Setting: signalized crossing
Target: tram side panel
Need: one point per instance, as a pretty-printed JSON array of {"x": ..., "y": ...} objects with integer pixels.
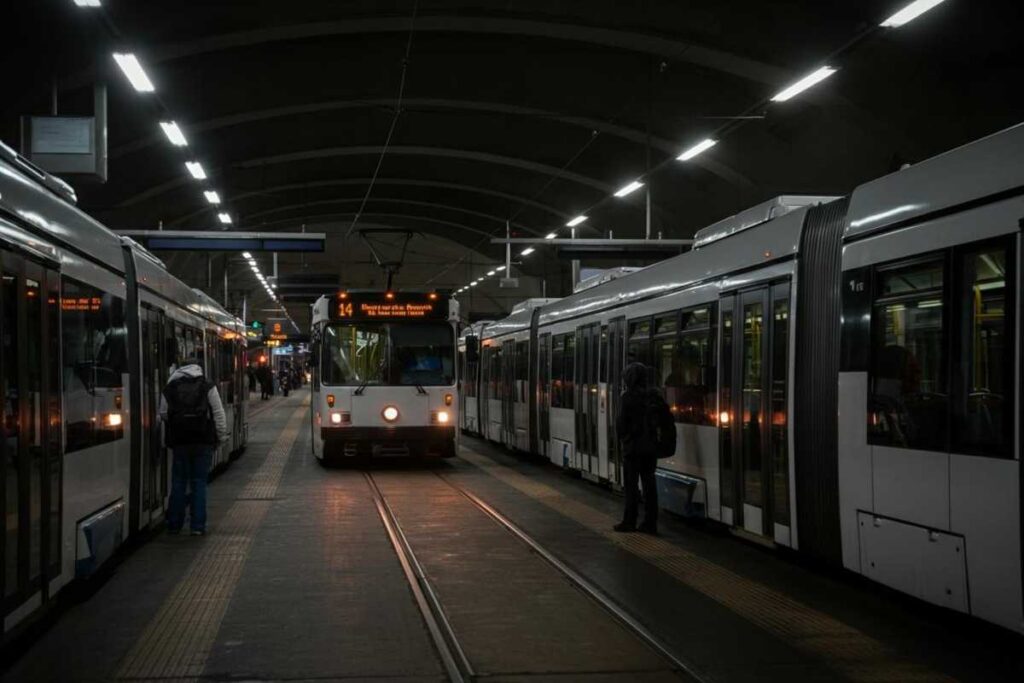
[{"x": 930, "y": 467}]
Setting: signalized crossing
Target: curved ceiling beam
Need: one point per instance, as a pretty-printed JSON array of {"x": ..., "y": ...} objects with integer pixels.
[
  {"x": 237, "y": 198},
  {"x": 643, "y": 43},
  {"x": 379, "y": 214},
  {"x": 389, "y": 200},
  {"x": 632, "y": 135},
  {"x": 362, "y": 150}
]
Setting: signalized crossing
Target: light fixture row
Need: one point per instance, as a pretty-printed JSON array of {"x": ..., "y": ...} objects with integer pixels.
[
  {"x": 900, "y": 18},
  {"x": 136, "y": 75}
]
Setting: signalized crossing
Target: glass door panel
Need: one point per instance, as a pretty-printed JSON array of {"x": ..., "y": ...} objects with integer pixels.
[{"x": 752, "y": 403}]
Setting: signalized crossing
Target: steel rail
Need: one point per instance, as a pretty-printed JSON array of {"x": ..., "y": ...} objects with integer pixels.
[
  {"x": 583, "y": 584},
  {"x": 452, "y": 655}
]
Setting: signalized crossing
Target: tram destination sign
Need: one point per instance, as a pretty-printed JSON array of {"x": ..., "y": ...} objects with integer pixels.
[{"x": 391, "y": 305}]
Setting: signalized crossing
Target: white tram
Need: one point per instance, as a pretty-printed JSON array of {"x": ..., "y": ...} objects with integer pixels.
[
  {"x": 845, "y": 375},
  {"x": 90, "y": 325},
  {"x": 384, "y": 378}
]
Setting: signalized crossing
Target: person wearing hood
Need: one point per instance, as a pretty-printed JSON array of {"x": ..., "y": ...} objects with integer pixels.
[
  {"x": 639, "y": 462},
  {"x": 194, "y": 425}
]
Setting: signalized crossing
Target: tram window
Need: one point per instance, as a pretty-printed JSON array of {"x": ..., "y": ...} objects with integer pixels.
[
  {"x": 777, "y": 404},
  {"x": 981, "y": 422},
  {"x": 909, "y": 400},
  {"x": 696, "y": 368},
  {"x": 666, "y": 371},
  {"x": 569, "y": 376},
  {"x": 725, "y": 421},
  {"x": 94, "y": 361},
  {"x": 602, "y": 375},
  {"x": 355, "y": 354},
  {"x": 638, "y": 348},
  {"x": 557, "y": 366},
  {"x": 12, "y": 400}
]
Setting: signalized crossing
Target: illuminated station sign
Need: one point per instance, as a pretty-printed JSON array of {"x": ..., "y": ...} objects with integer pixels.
[{"x": 391, "y": 305}]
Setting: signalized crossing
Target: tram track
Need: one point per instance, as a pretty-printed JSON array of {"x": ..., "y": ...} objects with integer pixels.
[{"x": 451, "y": 650}]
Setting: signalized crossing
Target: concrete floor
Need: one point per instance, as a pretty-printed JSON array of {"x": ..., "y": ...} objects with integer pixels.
[{"x": 297, "y": 580}]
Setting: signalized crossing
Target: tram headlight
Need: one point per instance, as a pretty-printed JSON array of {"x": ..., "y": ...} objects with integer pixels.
[
  {"x": 390, "y": 413},
  {"x": 335, "y": 418},
  {"x": 112, "y": 419},
  {"x": 440, "y": 417}
]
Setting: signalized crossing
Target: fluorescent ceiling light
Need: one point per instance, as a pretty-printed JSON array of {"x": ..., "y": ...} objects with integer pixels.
[
  {"x": 500, "y": 268},
  {"x": 551, "y": 235},
  {"x": 246, "y": 255},
  {"x": 87, "y": 3},
  {"x": 174, "y": 133},
  {"x": 490, "y": 273},
  {"x": 804, "y": 83},
  {"x": 576, "y": 221},
  {"x": 225, "y": 218},
  {"x": 196, "y": 169},
  {"x": 472, "y": 284},
  {"x": 134, "y": 72},
  {"x": 629, "y": 189},
  {"x": 910, "y": 12},
  {"x": 701, "y": 146},
  {"x": 214, "y": 198},
  {"x": 527, "y": 251}
]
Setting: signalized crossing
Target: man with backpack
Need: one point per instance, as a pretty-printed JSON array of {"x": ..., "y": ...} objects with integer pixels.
[
  {"x": 647, "y": 431},
  {"x": 194, "y": 425}
]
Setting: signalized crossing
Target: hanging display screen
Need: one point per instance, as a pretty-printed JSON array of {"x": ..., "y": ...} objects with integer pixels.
[{"x": 390, "y": 306}]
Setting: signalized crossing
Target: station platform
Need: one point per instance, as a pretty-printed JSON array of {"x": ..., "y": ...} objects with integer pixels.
[{"x": 486, "y": 566}]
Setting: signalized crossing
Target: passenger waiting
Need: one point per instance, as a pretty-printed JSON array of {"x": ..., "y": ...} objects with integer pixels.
[{"x": 195, "y": 423}]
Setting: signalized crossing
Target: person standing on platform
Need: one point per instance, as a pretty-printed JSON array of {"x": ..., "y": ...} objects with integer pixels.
[
  {"x": 266, "y": 379},
  {"x": 251, "y": 370},
  {"x": 194, "y": 425},
  {"x": 639, "y": 455}
]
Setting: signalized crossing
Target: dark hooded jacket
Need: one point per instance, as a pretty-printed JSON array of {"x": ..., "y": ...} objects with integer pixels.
[{"x": 633, "y": 404}]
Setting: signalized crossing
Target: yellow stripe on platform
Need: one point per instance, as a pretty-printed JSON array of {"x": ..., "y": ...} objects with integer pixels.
[
  {"x": 176, "y": 643},
  {"x": 847, "y": 650}
]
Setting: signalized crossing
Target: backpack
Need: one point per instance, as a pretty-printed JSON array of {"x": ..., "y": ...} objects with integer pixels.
[
  {"x": 659, "y": 426},
  {"x": 189, "y": 417}
]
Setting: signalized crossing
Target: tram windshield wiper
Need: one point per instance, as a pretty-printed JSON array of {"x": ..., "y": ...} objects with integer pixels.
[{"x": 420, "y": 389}]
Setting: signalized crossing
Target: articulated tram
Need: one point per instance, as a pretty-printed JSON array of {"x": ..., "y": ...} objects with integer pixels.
[
  {"x": 845, "y": 375},
  {"x": 384, "y": 378},
  {"x": 91, "y": 324}
]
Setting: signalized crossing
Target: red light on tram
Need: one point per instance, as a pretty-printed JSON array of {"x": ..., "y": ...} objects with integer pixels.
[
  {"x": 432, "y": 296},
  {"x": 389, "y": 296},
  {"x": 343, "y": 295}
]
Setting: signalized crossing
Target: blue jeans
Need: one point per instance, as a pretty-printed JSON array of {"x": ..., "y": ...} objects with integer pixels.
[{"x": 190, "y": 469}]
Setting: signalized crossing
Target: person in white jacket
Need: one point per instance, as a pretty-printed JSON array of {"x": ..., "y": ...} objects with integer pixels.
[{"x": 194, "y": 425}]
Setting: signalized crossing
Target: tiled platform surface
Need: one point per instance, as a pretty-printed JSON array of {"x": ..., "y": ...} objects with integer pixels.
[{"x": 297, "y": 580}]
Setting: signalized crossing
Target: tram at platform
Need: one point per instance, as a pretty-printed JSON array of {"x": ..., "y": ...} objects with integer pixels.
[{"x": 384, "y": 375}]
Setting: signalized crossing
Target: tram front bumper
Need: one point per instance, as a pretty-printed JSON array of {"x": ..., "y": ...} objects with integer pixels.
[{"x": 383, "y": 441}]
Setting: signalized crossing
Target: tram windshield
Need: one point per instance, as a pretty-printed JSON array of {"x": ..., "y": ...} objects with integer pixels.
[{"x": 389, "y": 354}]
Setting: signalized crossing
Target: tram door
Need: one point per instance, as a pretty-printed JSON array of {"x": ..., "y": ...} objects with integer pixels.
[
  {"x": 508, "y": 394},
  {"x": 154, "y": 455},
  {"x": 30, "y": 450},
  {"x": 544, "y": 399},
  {"x": 753, "y": 415},
  {"x": 616, "y": 351},
  {"x": 587, "y": 391}
]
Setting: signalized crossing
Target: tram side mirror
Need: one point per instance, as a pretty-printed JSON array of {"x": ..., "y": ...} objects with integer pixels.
[{"x": 472, "y": 349}]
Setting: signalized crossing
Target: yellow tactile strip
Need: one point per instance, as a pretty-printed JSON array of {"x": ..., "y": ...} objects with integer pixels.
[
  {"x": 175, "y": 645},
  {"x": 847, "y": 650}
]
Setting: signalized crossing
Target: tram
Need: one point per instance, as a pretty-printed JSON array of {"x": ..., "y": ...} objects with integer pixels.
[
  {"x": 384, "y": 375},
  {"x": 845, "y": 374},
  {"x": 91, "y": 324}
]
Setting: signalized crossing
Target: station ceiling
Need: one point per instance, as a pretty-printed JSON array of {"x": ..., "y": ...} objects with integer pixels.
[{"x": 466, "y": 115}]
